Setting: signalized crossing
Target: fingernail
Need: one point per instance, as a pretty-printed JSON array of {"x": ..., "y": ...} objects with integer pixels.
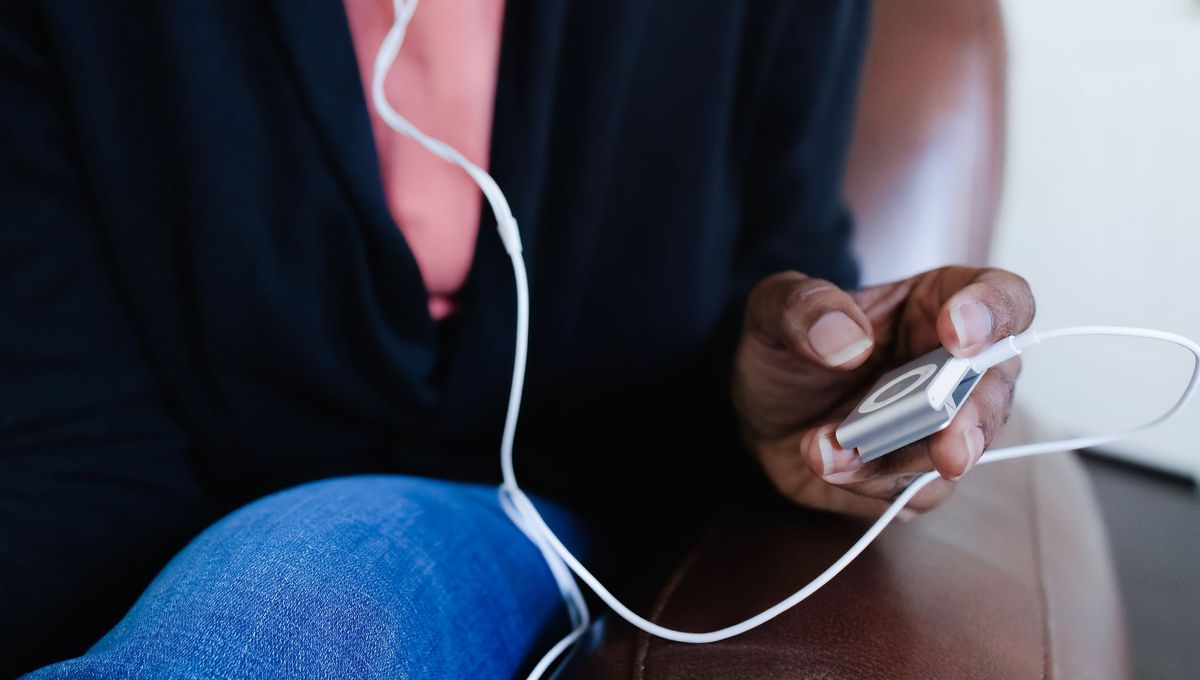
[
  {"x": 906, "y": 515},
  {"x": 835, "y": 459},
  {"x": 838, "y": 339},
  {"x": 972, "y": 322},
  {"x": 973, "y": 442}
]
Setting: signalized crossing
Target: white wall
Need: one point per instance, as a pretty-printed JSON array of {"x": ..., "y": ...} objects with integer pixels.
[{"x": 1102, "y": 209}]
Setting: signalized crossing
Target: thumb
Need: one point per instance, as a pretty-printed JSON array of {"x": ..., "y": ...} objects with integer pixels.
[{"x": 811, "y": 319}]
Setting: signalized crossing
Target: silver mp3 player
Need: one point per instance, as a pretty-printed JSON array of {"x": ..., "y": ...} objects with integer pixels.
[{"x": 907, "y": 404}]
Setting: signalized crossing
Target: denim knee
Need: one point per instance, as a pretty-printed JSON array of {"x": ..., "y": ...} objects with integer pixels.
[{"x": 352, "y": 577}]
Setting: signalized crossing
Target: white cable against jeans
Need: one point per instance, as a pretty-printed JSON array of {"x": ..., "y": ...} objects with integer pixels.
[
  {"x": 525, "y": 515},
  {"x": 512, "y": 499}
]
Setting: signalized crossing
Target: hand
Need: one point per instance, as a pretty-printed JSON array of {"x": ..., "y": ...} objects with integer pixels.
[{"x": 809, "y": 350}]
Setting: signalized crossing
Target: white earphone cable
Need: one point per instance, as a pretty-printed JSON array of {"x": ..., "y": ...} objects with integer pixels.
[
  {"x": 897, "y": 505},
  {"x": 514, "y": 504},
  {"x": 525, "y": 515}
]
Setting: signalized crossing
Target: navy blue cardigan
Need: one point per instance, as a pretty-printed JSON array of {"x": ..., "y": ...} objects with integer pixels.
[{"x": 202, "y": 289}]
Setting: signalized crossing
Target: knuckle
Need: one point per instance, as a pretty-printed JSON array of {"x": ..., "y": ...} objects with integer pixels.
[
  {"x": 999, "y": 394},
  {"x": 1019, "y": 283},
  {"x": 768, "y": 288},
  {"x": 807, "y": 300},
  {"x": 1028, "y": 303},
  {"x": 762, "y": 292},
  {"x": 1011, "y": 300},
  {"x": 1002, "y": 304},
  {"x": 801, "y": 293},
  {"x": 987, "y": 417},
  {"x": 993, "y": 405}
]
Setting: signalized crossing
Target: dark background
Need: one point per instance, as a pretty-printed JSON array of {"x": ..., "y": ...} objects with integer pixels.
[{"x": 1153, "y": 523}]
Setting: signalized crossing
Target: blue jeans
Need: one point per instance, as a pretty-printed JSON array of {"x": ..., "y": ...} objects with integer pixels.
[{"x": 357, "y": 577}]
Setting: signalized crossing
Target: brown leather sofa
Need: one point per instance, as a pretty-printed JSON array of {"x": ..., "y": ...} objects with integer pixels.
[{"x": 1009, "y": 579}]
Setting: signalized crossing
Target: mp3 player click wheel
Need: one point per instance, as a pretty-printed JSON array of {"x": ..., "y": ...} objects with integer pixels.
[{"x": 908, "y": 404}]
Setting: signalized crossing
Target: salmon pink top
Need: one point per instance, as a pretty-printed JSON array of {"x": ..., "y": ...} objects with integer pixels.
[{"x": 444, "y": 82}]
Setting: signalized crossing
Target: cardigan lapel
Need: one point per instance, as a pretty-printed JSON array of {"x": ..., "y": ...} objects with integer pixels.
[
  {"x": 525, "y": 95},
  {"x": 478, "y": 346},
  {"x": 316, "y": 37}
]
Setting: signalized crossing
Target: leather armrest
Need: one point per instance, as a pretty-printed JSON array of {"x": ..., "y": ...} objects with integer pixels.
[{"x": 1010, "y": 579}]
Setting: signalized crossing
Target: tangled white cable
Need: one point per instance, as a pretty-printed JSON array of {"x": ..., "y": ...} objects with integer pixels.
[{"x": 524, "y": 514}]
